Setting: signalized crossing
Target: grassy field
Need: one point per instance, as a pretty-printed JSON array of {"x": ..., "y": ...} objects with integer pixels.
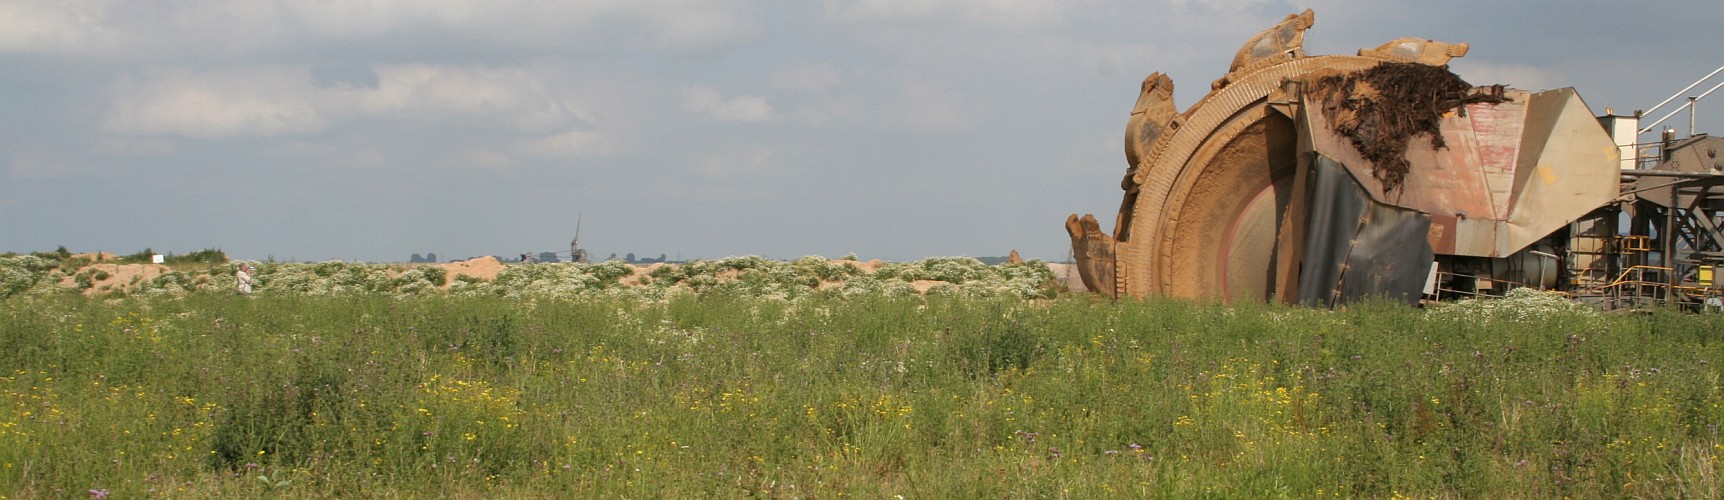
[{"x": 699, "y": 395}]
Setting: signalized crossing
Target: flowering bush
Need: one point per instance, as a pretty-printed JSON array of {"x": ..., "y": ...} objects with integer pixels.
[
  {"x": 1520, "y": 305},
  {"x": 23, "y": 272},
  {"x": 747, "y": 276}
]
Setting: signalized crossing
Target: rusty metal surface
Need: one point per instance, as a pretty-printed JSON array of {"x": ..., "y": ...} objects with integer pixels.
[
  {"x": 1569, "y": 166},
  {"x": 1510, "y": 173}
]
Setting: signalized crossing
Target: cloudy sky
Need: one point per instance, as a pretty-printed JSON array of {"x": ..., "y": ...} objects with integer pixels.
[{"x": 892, "y": 129}]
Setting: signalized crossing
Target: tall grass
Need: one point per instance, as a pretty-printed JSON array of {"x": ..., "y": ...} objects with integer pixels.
[{"x": 872, "y": 395}]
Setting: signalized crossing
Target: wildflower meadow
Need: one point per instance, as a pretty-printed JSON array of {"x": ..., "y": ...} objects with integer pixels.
[{"x": 552, "y": 382}]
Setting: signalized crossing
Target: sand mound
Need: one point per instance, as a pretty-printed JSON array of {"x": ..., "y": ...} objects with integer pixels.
[
  {"x": 869, "y": 266},
  {"x": 641, "y": 274},
  {"x": 485, "y": 268},
  {"x": 119, "y": 277},
  {"x": 922, "y": 286}
]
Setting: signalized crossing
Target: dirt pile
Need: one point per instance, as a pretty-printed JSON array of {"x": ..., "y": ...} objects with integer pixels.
[
  {"x": 485, "y": 268},
  {"x": 1382, "y": 108},
  {"x": 114, "y": 277}
]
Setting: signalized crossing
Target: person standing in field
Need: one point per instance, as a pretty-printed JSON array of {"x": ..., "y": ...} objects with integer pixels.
[{"x": 242, "y": 279}]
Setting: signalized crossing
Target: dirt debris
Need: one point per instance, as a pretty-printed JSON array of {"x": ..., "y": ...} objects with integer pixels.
[{"x": 1382, "y": 108}]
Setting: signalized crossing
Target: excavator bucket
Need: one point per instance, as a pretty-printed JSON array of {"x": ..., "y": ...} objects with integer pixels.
[{"x": 1326, "y": 179}]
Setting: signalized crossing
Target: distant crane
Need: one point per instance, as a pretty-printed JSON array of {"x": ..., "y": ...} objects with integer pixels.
[{"x": 576, "y": 253}]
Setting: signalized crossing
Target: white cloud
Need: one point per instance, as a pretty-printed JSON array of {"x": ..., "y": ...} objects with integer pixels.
[
  {"x": 1520, "y": 76},
  {"x": 487, "y": 158},
  {"x": 136, "y": 146},
  {"x": 53, "y": 25},
  {"x": 740, "y": 109},
  {"x": 815, "y": 77},
  {"x": 154, "y": 27},
  {"x": 1227, "y": 6},
  {"x": 570, "y": 144},
  {"x": 1117, "y": 59},
  {"x": 671, "y": 23},
  {"x": 929, "y": 106},
  {"x": 261, "y": 101},
  {"x": 1006, "y": 14},
  {"x": 736, "y": 163},
  {"x": 423, "y": 90},
  {"x": 279, "y": 100},
  {"x": 698, "y": 25},
  {"x": 39, "y": 165}
]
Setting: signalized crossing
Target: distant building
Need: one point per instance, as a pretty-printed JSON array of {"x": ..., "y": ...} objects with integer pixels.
[{"x": 630, "y": 258}]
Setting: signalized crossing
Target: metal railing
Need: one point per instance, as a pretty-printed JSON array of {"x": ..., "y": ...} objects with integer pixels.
[
  {"x": 1645, "y": 286},
  {"x": 1692, "y": 100},
  {"x": 1447, "y": 293}
]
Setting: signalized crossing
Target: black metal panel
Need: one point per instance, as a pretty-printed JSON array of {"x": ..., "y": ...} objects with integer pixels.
[{"x": 1357, "y": 248}]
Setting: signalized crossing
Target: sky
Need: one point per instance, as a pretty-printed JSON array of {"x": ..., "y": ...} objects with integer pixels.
[{"x": 371, "y": 130}]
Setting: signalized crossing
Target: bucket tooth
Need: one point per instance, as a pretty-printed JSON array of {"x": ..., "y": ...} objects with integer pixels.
[
  {"x": 1280, "y": 43},
  {"x": 1149, "y": 118},
  {"x": 1094, "y": 251},
  {"x": 1417, "y": 50}
]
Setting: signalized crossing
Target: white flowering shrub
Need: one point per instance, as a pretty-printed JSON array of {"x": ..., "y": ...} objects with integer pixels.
[
  {"x": 20, "y": 273},
  {"x": 322, "y": 278},
  {"x": 973, "y": 278},
  {"x": 419, "y": 280},
  {"x": 468, "y": 286},
  {"x": 826, "y": 270},
  {"x": 873, "y": 286},
  {"x": 559, "y": 280},
  {"x": 748, "y": 276},
  {"x": 954, "y": 270},
  {"x": 1520, "y": 305}
]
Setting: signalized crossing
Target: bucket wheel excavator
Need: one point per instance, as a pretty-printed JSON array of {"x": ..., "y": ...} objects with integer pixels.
[{"x": 1321, "y": 179}]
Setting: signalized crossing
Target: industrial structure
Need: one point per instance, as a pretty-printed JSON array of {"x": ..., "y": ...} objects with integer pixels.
[{"x": 1324, "y": 179}]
